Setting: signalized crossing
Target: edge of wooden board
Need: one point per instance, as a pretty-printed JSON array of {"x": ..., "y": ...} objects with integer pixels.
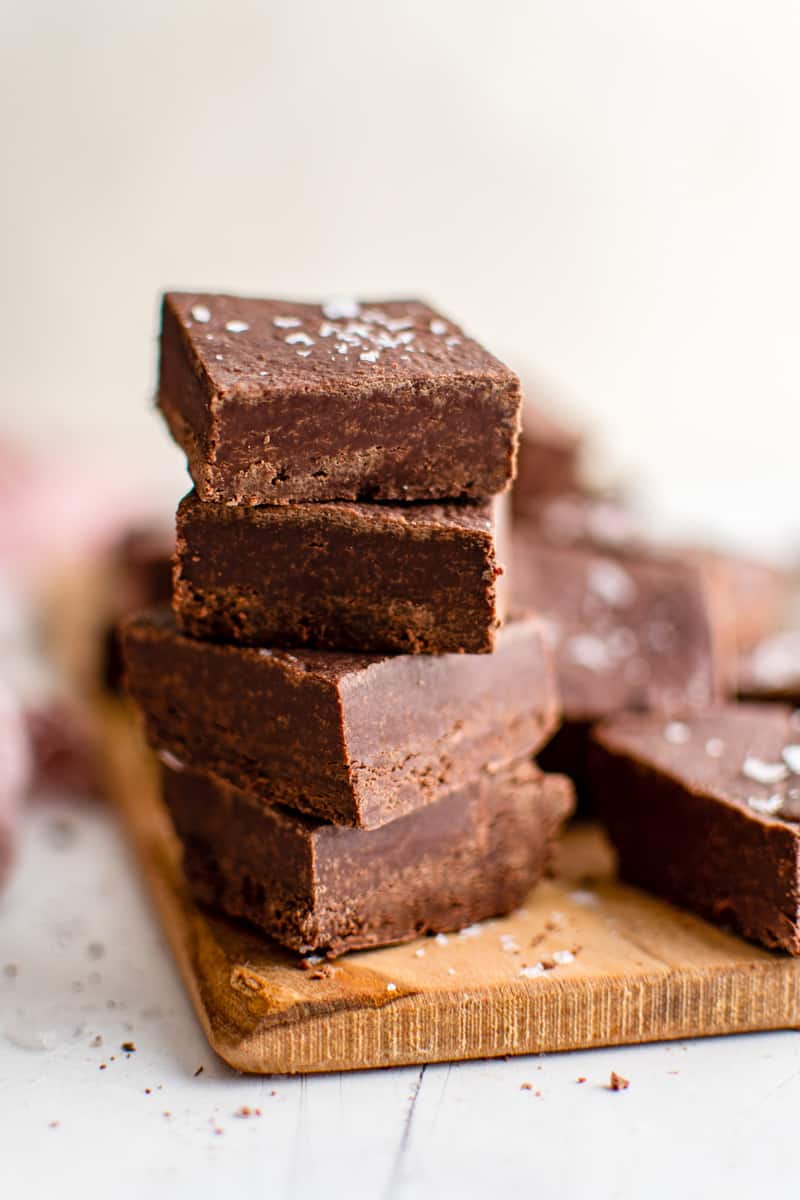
[{"x": 655, "y": 973}]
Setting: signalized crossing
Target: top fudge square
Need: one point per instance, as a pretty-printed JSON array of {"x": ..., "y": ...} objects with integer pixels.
[{"x": 275, "y": 402}]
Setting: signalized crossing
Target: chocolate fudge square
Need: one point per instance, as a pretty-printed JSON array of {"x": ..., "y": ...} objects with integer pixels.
[
  {"x": 628, "y": 631},
  {"x": 275, "y": 401},
  {"x": 705, "y": 811},
  {"x": 474, "y": 853},
  {"x": 356, "y": 739},
  {"x": 408, "y": 579},
  {"x": 549, "y": 458}
]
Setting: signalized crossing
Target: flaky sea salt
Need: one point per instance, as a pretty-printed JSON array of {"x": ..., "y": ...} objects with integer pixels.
[
  {"x": 169, "y": 760},
  {"x": 438, "y": 327},
  {"x": 589, "y": 652},
  {"x": 286, "y": 322},
  {"x": 369, "y": 356},
  {"x": 341, "y": 308},
  {"x": 441, "y": 939},
  {"x": 470, "y": 931},
  {"x": 299, "y": 339},
  {"x": 563, "y": 957},
  {"x": 391, "y": 987},
  {"x": 532, "y": 972},
  {"x": 201, "y": 314},
  {"x": 611, "y": 583},
  {"x": 237, "y": 326},
  {"x": 791, "y": 756},
  {"x": 419, "y": 953},
  {"x": 677, "y": 733},
  {"x": 715, "y": 747},
  {"x": 584, "y": 898},
  {"x": 765, "y": 804},
  {"x": 768, "y": 773}
]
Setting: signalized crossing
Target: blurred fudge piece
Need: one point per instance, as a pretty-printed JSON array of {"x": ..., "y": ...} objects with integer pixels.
[{"x": 549, "y": 458}]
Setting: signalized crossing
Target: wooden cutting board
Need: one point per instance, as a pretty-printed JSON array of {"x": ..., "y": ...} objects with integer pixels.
[{"x": 641, "y": 971}]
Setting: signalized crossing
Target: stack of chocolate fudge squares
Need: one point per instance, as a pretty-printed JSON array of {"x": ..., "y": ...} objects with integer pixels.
[{"x": 345, "y": 712}]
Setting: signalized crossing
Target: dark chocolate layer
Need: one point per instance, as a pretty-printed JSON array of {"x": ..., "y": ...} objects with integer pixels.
[
  {"x": 276, "y": 401},
  {"x": 705, "y": 812},
  {"x": 473, "y": 854},
  {"x": 413, "y": 579},
  {"x": 355, "y": 739}
]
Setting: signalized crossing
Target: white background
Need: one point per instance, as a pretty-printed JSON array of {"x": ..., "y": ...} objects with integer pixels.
[{"x": 607, "y": 194}]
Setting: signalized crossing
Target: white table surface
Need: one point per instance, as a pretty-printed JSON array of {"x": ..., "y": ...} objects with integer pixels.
[{"x": 699, "y": 1119}]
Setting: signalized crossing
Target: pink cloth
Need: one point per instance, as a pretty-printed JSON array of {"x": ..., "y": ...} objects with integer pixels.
[
  {"x": 53, "y": 512},
  {"x": 16, "y": 772},
  {"x": 53, "y": 515}
]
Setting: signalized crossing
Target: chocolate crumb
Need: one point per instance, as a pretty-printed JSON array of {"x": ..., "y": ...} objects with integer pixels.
[
  {"x": 167, "y": 1113},
  {"x": 148, "y": 1091},
  {"x": 525, "y": 1087},
  {"x": 537, "y": 1093},
  {"x": 246, "y": 1111},
  {"x": 128, "y": 1047},
  {"x": 581, "y": 1079},
  {"x": 618, "y": 1083},
  {"x": 97, "y": 1040},
  {"x": 199, "y": 1071},
  {"x": 548, "y": 963},
  {"x": 273, "y": 1093},
  {"x": 54, "y": 1124},
  {"x": 103, "y": 1067}
]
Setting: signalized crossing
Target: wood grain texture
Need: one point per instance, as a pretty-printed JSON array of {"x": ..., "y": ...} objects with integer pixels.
[{"x": 642, "y": 971}]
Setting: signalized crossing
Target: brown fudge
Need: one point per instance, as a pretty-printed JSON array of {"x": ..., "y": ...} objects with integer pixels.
[
  {"x": 629, "y": 631},
  {"x": 584, "y": 520},
  {"x": 352, "y": 738},
  {"x": 474, "y": 853},
  {"x": 549, "y": 458},
  {"x": 705, "y": 811},
  {"x": 749, "y": 600},
  {"x": 412, "y": 579},
  {"x": 275, "y": 401}
]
